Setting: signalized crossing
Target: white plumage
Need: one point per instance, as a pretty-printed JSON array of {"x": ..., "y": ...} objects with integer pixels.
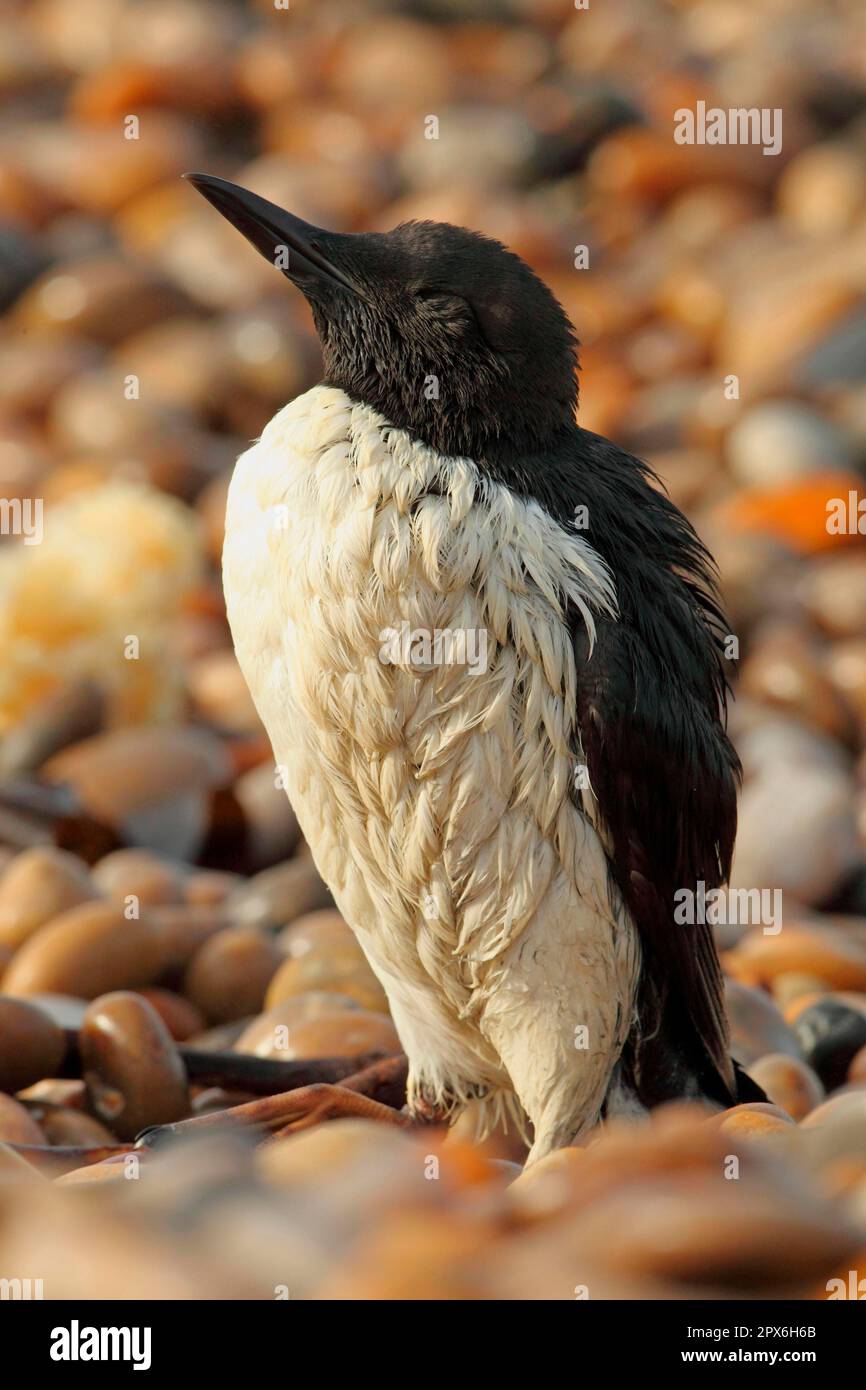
[{"x": 438, "y": 804}]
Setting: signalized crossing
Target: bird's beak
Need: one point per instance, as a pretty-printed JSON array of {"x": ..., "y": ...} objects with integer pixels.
[{"x": 292, "y": 245}]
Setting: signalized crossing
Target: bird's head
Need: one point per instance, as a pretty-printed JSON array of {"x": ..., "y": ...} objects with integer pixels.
[{"x": 443, "y": 331}]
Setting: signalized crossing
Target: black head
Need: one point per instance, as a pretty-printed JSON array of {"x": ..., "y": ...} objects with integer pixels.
[{"x": 441, "y": 330}]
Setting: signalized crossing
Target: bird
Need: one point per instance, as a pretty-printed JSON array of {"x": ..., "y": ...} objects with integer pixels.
[{"x": 503, "y": 819}]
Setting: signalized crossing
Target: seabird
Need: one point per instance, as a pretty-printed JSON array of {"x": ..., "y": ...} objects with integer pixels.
[{"x": 506, "y": 837}]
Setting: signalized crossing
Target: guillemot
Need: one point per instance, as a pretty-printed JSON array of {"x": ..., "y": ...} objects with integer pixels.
[{"x": 505, "y": 842}]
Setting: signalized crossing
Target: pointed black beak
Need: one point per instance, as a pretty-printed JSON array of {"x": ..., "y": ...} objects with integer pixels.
[{"x": 291, "y": 245}]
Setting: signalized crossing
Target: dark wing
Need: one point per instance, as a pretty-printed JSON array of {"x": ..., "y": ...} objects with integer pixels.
[
  {"x": 664, "y": 777},
  {"x": 651, "y": 700}
]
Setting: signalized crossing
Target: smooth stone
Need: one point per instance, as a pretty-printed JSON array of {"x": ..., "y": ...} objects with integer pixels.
[
  {"x": 278, "y": 895},
  {"x": 343, "y": 970},
  {"x": 779, "y": 441},
  {"x": 32, "y": 1046},
  {"x": 182, "y": 1019},
  {"x": 271, "y": 824},
  {"x": 17, "y": 1125},
  {"x": 789, "y": 1083},
  {"x": 834, "y": 595},
  {"x": 838, "y": 358},
  {"x": 132, "y": 1069},
  {"x": 346, "y": 1033},
  {"x": 85, "y": 952},
  {"x": 37, "y": 885},
  {"x": 153, "y": 783},
  {"x": 228, "y": 977},
  {"x": 757, "y": 1026},
  {"x": 831, "y": 1034},
  {"x": 259, "y": 1037},
  {"x": 826, "y": 952},
  {"x": 783, "y": 669},
  {"x": 797, "y": 833},
  {"x": 65, "y": 1127},
  {"x": 135, "y": 872},
  {"x": 318, "y": 931}
]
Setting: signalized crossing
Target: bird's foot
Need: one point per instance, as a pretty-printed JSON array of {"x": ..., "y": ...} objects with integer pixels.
[
  {"x": 357, "y": 1096},
  {"x": 425, "y": 1112}
]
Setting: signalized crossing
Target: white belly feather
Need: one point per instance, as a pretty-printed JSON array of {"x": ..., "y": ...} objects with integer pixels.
[{"x": 437, "y": 802}]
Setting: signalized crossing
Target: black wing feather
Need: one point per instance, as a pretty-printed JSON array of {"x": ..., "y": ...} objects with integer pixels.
[{"x": 651, "y": 704}]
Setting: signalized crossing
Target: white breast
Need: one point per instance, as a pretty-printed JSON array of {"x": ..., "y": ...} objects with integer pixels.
[{"x": 437, "y": 802}]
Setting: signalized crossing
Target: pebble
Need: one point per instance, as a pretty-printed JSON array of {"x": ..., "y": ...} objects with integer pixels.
[
  {"x": 32, "y": 372},
  {"x": 845, "y": 666},
  {"x": 791, "y": 987},
  {"x": 363, "y": 1157},
  {"x": 210, "y": 887},
  {"x": 406, "y": 58},
  {"x": 32, "y": 1046},
  {"x": 823, "y": 951},
  {"x": 790, "y": 1083},
  {"x": 857, "y": 1069},
  {"x": 157, "y": 764},
  {"x": 834, "y": 595},
  {"x": 229, "y": 975},
  {"x": 278, "y": 1021},
  {"x": 839, "y": 358},
  {"x": 17, "y": 1125},
  {"x": 340, "y": 970},
  {"x": 100, "y": 300},
  {"x": 184, "y": 928},
  {"x": 548, "y": 1186},
  {"x": 318, "y": 931},
  {"x": 831, "y": 1034},
  {"x": 37, "y": 885},
  {"x": 69, "y": 1127},
  {"x": 266, "y": 361},
  {"x": 757, "y": 1026},
  {"x": 134, "y": 872},
  {"x": 771, "y": 321},
  {"x": 279, "y": 894},
  {"x": 836, "y": 1129},
  {"x": 154, "y": 784},
  {"x": 177, "y": 362},
  {"x": 65, "y": 1010},
  {"x": 782, "y": 440},
  {"x": 743, "y": 1238},
  {"x": 344, "y": 1033},
  {"x": 220, "y": 693},
  {"x": 784, "y": 671},
  {"x": 85, "y": 952},
  {"x": 181, "y": 1017},
  {"x": 90, "y": 167},
  {"x": 132, "y": 1069},
  {"x": 822, "y": 191},
  {"x": 755, "y": 1121},
  {"x": 272, "y": 830},
  {"x": 797, "y": 833}
]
